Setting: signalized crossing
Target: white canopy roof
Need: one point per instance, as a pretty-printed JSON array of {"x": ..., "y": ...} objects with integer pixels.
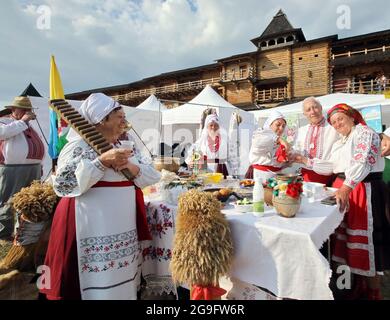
[
  {"x": 152, "y": 104},
  {"x": 191, "y": 112}
]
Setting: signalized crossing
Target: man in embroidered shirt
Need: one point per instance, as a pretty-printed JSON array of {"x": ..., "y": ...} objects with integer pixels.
[
  {"x": 315, "y": 140},
  {"x": 21, "y": 154}
]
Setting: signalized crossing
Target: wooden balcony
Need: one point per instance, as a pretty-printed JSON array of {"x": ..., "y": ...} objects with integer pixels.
[
  {"x": 271, "y": 95},
  {"x": 243, "y": 74},
  {"x": 359, "y": 52},
  {"x": 348, "y": 85},
  {"x": 170, "y": 89}
]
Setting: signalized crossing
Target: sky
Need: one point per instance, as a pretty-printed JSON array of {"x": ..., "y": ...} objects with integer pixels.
[{"x": 100, "y": 43}]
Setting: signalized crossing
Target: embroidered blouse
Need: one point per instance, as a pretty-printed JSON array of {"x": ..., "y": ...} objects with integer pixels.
[
  {"x": 316, "y": 141},
  {"x": 356, "y": 155},
  {"x": 79, "y": 169},
  {"x": 263, "y": 148}
]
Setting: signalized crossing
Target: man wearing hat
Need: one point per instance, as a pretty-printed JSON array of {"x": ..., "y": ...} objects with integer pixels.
[{"x": 21, "y": 154}]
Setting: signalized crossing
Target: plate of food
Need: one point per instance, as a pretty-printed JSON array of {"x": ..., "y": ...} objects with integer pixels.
[
  {"x": 244, "y": 205},
  {"x": 247, "y": 183}
]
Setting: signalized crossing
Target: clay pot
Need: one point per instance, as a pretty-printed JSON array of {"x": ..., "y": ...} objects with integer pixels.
[
  {"x": 286, "y": 206},
  {"x": 268, "y": 193}
]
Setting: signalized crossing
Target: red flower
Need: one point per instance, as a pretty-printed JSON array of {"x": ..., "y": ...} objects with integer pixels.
[
  {"x": 159, "y": 252},
  {"x": 294, "y": 190}
]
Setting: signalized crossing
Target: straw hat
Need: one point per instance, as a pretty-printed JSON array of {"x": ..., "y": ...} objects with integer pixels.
[{"x": 20, "y": 102}]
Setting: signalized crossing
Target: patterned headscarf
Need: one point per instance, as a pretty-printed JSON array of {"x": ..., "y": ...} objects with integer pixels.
[{"x": 348, "y": 110}]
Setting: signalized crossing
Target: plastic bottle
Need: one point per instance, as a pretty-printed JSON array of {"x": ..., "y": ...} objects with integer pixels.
[{"x": 258, "y": 197}]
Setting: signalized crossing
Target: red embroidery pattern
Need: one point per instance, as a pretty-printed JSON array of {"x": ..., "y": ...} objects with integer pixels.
[
  {"x": 213, "y": 146},
  {"x": 367, "y": 147}
]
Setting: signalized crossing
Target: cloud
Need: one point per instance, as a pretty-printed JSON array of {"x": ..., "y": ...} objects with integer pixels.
[{"x": 101, "y": 43}]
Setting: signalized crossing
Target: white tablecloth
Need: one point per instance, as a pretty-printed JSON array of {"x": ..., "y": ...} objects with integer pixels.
[
  {"x": 282, "y": 254},
  {"x": 273, "y": 252}
]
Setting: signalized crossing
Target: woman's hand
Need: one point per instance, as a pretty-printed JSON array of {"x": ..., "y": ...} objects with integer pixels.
[
  {"x": 134, "y": 169},
  {"x": 342, "y": 197},
  {"x": 285, "y": 144},
  {"x": 115, "y": 157},
  {"x": 298, "y": 158},
  {"x": 385, "y": 144}
]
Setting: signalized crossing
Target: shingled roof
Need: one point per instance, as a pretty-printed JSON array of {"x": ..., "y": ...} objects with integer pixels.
[{"x": 279, "y": 26}]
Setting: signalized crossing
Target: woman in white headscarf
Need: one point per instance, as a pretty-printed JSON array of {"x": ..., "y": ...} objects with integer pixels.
[
  {"x": 213, "y": 147},
  {"x": 268, "y": 150},
  {"x": 94, "y": 250}
]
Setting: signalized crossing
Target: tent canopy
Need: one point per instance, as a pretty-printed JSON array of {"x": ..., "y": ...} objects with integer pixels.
[
  {"x": 357, "y": 101},
  {"x": 152, "y": 104},
  {"x": 191, "y": 112}
]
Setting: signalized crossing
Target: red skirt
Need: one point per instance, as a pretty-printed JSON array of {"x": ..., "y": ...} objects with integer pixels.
[
  {"x": 61, "y": 255},
  {"x": 363, "y": 239}
]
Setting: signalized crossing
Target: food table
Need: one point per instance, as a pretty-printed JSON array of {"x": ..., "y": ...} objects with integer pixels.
[{"x": 273, "y": 252}]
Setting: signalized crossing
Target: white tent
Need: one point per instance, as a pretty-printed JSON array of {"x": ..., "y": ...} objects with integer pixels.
[
  {"x": 358, "y": 101},
  {"x": 188, "y": 116},
  {"x": 152, "y": 104},
  {"x": 191, "y": 112}
]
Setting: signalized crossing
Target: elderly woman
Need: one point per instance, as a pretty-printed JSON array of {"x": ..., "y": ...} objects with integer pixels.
[
  {"x": 213, "y": 147},
  {"x": 363, "y": 239},
  {"x": 94, "y": 249},
  {"x": 268, "y": 151}
]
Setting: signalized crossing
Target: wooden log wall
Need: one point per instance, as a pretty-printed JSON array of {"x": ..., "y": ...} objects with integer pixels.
[{"x": 310, "y": 70}]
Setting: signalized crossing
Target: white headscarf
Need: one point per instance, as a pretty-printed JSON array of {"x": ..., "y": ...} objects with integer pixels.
[
  {"x": 97, "y": 106},
  {"x": 94, "y": 109},
  {"x": 274, "y": 115}
]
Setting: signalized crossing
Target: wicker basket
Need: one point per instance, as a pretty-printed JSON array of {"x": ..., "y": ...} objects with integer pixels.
[
  {"x": 286, "y": 206},
  {"x": 168, "y": 163}
]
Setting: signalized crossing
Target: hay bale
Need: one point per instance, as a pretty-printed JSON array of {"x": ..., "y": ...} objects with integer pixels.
[{"x": 203, "y": 247}]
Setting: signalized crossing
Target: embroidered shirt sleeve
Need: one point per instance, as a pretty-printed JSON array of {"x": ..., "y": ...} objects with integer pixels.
[
  {"x": 147, "y": 175},
  {"x": 365, "y": 153},
  {"x": 77, "y": 171}
]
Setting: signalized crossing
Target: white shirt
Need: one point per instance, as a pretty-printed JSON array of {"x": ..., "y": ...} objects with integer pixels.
[
  {"x": 14, "y": 147},
  {"x": 263, "y": 148},
  {"x": 79, "y": 169},
  {"x": 324, "y": 136},
  {"x": 356, "y": 155}
]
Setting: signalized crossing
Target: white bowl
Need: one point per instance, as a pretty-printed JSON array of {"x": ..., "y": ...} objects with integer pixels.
[{"x": 243, "y": 207}]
